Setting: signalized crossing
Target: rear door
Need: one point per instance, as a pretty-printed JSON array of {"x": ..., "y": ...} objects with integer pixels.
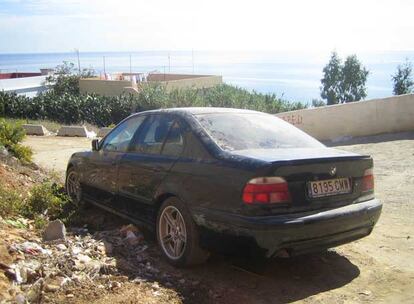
[
  {"x": 153, "y": 151},
  {"x": 101, "y": 169}
]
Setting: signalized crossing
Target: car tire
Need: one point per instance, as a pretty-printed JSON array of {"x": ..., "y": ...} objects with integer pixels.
[
  {"x": 73, "y": 188},
  {"x": 175, "y": 226}
]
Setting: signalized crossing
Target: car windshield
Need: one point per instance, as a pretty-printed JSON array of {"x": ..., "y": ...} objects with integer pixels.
[{"x": 243, "y": 131}]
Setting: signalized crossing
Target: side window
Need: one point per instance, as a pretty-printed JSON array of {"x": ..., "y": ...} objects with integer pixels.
[
  {"x": 174, "y": 143},
  {"x": 118, "y": 140},
  {"x": 152, "y": 134}
]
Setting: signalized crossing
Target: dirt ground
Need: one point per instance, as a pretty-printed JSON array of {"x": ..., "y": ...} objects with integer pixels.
[{"x": 376, "y": 269}]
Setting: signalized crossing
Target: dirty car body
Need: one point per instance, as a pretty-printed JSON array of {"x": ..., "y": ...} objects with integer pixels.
[{"x": 252, "y": 183}]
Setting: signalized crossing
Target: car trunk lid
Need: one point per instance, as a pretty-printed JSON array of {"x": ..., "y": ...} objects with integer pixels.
[{"x": 301, "y": 167}]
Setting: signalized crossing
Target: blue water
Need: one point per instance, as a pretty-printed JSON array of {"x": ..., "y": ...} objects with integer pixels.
[{"x": 293, "y": 76}]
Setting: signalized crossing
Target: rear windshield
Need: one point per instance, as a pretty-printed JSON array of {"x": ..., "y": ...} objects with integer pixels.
[{"x": 243, "y": 131}]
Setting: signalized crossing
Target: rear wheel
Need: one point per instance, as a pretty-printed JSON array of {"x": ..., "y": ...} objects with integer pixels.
[{"x": 178, "y": 236}]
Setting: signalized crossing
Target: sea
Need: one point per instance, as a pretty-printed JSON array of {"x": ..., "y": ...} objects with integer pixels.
[{"x": 294, "y": 76}]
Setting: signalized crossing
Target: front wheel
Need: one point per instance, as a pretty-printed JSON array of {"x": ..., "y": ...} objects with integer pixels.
[
  {"x": 178, "y": 236},
  {"x": 73, "y": 187}
]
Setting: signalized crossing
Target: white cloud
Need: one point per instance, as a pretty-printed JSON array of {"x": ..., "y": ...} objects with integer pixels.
[{"x": 296, "y": 25}]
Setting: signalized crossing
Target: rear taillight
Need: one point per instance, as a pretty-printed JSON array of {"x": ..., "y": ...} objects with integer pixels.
[
  {"x": 368, "y": 180},
  {"x": 266, "y": 190}
]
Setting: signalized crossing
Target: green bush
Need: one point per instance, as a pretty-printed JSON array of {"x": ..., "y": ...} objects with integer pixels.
[
  {"x": 10, "y": 202},
  {"x": 70, "y": 108},
  {"x": 11, "y": 134},
  {"x": 45, "y": 199},
  {"x": 23, "y": 153},
  {"x": 40, "y": 221}
]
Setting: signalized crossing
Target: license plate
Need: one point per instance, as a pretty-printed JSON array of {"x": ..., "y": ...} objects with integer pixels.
[{"x": 329, "y": 187}]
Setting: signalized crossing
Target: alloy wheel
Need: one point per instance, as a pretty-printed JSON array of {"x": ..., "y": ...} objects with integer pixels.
[
  {"x": 172, "y": 232},
  {"x": 73, "y": 186}
]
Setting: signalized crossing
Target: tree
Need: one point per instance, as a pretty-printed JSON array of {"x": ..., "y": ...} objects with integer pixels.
[
  {"x": 343, "y": 82},
  {"x": 318, "y": 103},
  {"x": 403, "y": 81},
  {"x": 331, "y": 82},
  {"x": 65, "y": 78},
  {"x": 354, "y": 77}
]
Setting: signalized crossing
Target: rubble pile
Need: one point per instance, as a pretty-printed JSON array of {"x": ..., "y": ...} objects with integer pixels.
[{"x": 61, "y": 260}]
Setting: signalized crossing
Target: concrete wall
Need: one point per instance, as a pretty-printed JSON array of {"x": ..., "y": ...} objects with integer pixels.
[
  {"x": 104, "y": 87},
  {"x": 195, "y": 82},
  {"x": 169, "y": 77},
  {"x": 173, "y": 81},
  {"x": 376, "y": 116}
]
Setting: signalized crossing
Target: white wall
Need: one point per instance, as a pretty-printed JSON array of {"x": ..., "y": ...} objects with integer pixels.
[
  {"x": 29, "y": 86},
  {"x": 370, "y": 117}
]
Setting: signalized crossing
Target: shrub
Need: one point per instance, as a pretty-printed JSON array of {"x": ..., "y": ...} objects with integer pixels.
[
  {"x": 40, "y": 221},
  {"x": 10, "y": 137},
  {"x": 69, "y": 108},
  {"x": 23, "y": 153},
  {"x": 45, "y": 199},
  {"x": 11, "y": 134},
  {"x": 10, "y": 202}
]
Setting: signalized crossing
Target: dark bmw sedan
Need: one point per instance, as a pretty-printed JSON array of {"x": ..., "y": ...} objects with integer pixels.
[{"x": 225, "y": 179}]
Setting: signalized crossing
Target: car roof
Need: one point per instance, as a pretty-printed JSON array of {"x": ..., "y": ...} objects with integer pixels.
[{"x": 201, "y": 110}]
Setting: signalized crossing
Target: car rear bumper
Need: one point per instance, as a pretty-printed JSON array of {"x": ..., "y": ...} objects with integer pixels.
[{"x": 296, "y": 233}]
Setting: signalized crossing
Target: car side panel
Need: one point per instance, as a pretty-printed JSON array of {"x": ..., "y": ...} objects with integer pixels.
[
  {"x": 139, "y": 177},
  {"x": 99, "y": 172}
]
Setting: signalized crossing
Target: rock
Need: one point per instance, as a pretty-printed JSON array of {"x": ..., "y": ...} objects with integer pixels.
[
  {"x": 56, "y": 230},
  {"x": 70, "y": 295},
  {"x": 114, "y": 285},
  {"x": 20, "y": 299},
  {"x": 33, "y": 294},
  {"x": 76, "y": 250},
  {"x": 84, "y": 259},
  {"x": 3, "y": 151},
  {"x": 61, "y": 247},
  {"x": 366, "y": 292},
  {"x": 51, "y": 288}
]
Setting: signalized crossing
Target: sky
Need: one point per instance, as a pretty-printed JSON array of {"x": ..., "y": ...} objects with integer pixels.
[{"x": 350, "y": 26}]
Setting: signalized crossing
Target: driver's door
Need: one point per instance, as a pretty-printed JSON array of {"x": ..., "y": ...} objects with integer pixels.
[{"x": 101, "y": 170}]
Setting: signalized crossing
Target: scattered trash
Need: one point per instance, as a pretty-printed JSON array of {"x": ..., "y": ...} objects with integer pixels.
[
  {"x": 45, "y": 266},
  {"x": 125, "y": 229},
  {"x": 29, "y": 248},
  {"x": 55, "y": 230},
  {"x": 133, "y": 239},
  {"x": 61, "y": 246}
]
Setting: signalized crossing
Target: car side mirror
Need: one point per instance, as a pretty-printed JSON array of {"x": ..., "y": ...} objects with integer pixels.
[{"x": 95, "y": 144}]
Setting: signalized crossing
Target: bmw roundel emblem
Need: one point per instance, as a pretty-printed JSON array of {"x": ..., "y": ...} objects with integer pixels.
[{"x": 332, "y": 171}]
